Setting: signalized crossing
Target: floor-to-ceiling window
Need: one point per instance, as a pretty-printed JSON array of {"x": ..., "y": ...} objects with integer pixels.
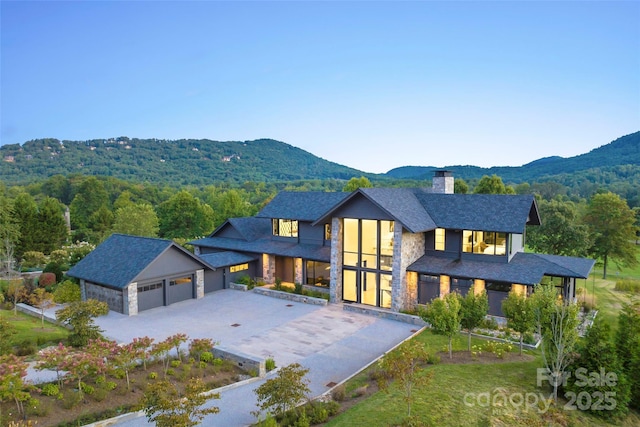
[{"x": 367, "y": 261}]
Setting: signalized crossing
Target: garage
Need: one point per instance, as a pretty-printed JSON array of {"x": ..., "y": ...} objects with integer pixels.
[
  {"x": 228, "y": 267},
  {"x": 150, "y": 296},
  {"x": 180, "y": 289},
  {"x": 133, "y": 273}
]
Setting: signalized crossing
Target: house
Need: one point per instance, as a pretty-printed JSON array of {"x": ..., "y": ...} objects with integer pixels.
[{"x": 393, "y": 248}]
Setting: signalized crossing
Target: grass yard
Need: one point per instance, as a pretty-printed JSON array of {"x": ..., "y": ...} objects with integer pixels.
[{"x": 29, "y": 330}]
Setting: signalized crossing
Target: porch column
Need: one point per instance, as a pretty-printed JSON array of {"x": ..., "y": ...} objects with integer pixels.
[
  {"x": 445, "y": 285},
  {"x": 478, "y": 286},
  {"x": 407, "y": 248}
]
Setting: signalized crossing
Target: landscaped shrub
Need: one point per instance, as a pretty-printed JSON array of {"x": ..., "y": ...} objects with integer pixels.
[
  {"x": 270, "y": 364},
  {"x": 25, "y": 348},
  {"x": 297, "y": 288},
  {"x": 54, "y": 267},
  {"x": 67, "y": 291},
  {"x": 489, "y": 323},
  {"x": 206, "y": 356},
  {"x": 50, "y": 389},
  {"x": 339, "y": 393},
  {"x": 497, "y": 348},
  {"x": 59, "y": 256},
  {"x": 628, "y": 285},
  {"x": 33, "y": 259},
  {"x": 46, "y": 280}
]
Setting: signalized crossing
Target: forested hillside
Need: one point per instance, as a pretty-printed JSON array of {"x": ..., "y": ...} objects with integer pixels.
[
  {"x": 182, "y": 162},
  {"x": 624, "y": 151}
]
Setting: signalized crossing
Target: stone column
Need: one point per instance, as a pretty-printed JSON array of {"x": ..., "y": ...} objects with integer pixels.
[
  {"x": 407, "y": 248},
  {"x": 298, "y": 271},
  {"x": 335, "y": 284},
  {"x": 268, "y": 268},
  {"x": 130, "y": 297},
  {"x": 478, "y": 286},
  {"x": 199, "y": 284}
]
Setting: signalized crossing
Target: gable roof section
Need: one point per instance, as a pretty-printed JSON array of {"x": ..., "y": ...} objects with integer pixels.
[
  {"x": 301, "y": 206},
  {"x": 491, "y": 212},
  {"x": 250, "y": 228},
  {"x": 524, "y": 268},
  {"x": 399, "y": 203},
  {"x": 118, "y": 260}
]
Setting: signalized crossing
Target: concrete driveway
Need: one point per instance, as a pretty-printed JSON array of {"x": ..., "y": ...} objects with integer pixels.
[{"x": 334, "y": 344}]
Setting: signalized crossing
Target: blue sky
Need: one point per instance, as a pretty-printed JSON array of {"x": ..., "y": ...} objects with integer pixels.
[{"x": 371, "y": 85}]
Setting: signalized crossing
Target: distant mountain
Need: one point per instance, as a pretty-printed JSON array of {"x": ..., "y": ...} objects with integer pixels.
[
  {"x": 182, "y": 162},
  {"x": 623, "y": 151}
]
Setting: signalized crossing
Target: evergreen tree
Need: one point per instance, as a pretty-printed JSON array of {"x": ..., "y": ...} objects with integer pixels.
[
  {"x": 52, "y": 227},
  {"x": 26, "y": 214}
]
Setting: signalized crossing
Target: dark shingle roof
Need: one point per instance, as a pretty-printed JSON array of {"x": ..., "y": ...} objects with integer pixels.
[
  {"x": 225, "y": 259},
  {"x": 118, "y": 260},
  {"x": 495, "y": 212},
  {"x": 268, "y": 246},
  {"x": 524, "y": 268},
  {"x": 302, "y": 206}
]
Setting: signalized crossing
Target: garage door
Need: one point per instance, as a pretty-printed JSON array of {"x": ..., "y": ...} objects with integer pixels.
[
  {"x": 150, "y": 296},
  {"x": 180, "y": 289}
]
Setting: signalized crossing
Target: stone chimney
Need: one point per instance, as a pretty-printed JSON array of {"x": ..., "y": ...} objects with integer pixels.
[{"x": 442, "y": 182}]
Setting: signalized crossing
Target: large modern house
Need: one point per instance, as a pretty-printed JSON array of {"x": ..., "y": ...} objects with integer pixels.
[
  {"x": 393, "y": 248},
  {"x": 389, "y": 248}
]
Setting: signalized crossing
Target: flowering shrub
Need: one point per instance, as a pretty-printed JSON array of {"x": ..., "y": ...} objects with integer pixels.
[{"x": 46, "y": 279}]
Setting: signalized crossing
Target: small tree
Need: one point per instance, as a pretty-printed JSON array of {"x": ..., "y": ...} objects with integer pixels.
[
  {"x": 628, "y": 347},
  {"x": 283, "y": 392},
  {"x": 443, "y": 314},
  {"x": 16, "y": 292},
  {"x": 80, "y": 365},
  {"x": 404, "y": 365},
  {"x": 597, "y": 354},
  {"x": 519, "y": 311},
  {"x": 42, "y": 300},
  {"x": 80, "y": 315},
  {"x": 165, "y": 406},
  {"x": 559, "y": 338},
  {"x": 197, "y": 346},
  {"x": 175, "y": 341},
  {"x": 67, "y": 291},
  {"x": 7, "y": 330},
  {"x": 12, "y": 385},
  {"x": 52, "y": 358},
  {"x": 473, "y": 309},
  {"x": 160, "y": 351},
  {"x": 141, "y": 347}
]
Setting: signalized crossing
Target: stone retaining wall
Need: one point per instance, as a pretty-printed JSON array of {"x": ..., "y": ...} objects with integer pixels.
[
  {"x": 385, "y": 314},
  {"x": 244, "y": 361},
  {"x": 290, "y": 297}
]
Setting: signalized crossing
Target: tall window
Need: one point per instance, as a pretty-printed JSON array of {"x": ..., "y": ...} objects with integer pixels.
[
  {"x": 285, "y": 227},
  {"x": 367, "y": 261},
  {"x": 440, "y": 239}
]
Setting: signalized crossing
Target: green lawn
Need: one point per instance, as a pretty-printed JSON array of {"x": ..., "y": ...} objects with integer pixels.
[{"x": 30, "y": 329}]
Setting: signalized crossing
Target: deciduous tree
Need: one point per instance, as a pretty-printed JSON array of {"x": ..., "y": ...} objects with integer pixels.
[
  {"x": 443, "y": 314},
  {"x": 520, "y": 314},
  {"x": 80, "y": 315},
  {"x": 165, "y": 406},
  {"x": 42, "y": 300},
  {"x": 137, "y": 220},
  {"x": 562, "y": 232},
  {"x": 492, "y": 185},
  {"x": 612, "y": 225},
  {"x": 355, "y": 183},
  {"x": 473, "y": 309},
  {"x": 404, "y": 366},
  {"x": 283, "y": 392},
  {"x": 185, "y": 216}
]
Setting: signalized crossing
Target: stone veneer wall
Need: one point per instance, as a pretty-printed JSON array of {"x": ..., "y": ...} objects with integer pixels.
[
  {"x": 200, "y": 284},
  {"x": 407, "y": 248},
  {"x": 335, "y": 284},
  {"x": 113, "y": 297}
]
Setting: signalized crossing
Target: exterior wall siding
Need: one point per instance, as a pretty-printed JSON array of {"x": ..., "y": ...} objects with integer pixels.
[{"x": 113, "y": 297}]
